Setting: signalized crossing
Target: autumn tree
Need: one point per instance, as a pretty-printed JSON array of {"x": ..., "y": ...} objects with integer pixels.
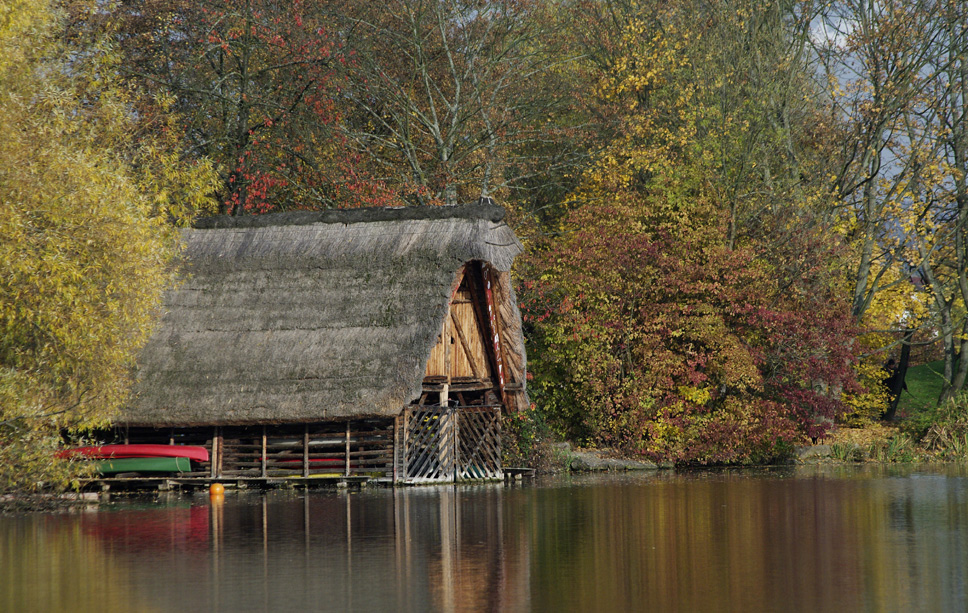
[
  {"x": 447, "y": 95},
  {"x": 935, "y": 208},
  {"x": 253, "y": 85},
  {"x": 87, "y": 231},
  {"x": 690, "y": 308},
  {"x": 874, "y": 56},
  {"x": 952, "y": 105},
  {"x": 673, "y": 345},
  {"x": 894, "y": 74}
]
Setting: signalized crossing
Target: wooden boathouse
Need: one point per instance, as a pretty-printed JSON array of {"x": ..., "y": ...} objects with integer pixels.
[{"x": 370, "y": 343}]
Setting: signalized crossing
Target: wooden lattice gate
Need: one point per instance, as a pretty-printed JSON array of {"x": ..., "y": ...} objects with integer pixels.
[{"x": 446, "y": 444}]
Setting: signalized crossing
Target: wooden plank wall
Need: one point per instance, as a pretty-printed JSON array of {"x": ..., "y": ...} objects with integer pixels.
[
  {"x": 296, "y": 450},
  {"x": 464, "y": 333}
]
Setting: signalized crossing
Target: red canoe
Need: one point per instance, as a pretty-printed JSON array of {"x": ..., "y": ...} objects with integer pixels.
[{"x": 105, "y": 452}]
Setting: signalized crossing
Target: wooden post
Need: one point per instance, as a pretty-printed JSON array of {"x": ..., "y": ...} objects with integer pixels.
[
  {"x": 347, "y": 467},
  {"x": 455, "y": 440},
  {"x": 394, "y": 475},
  {"x": 221, "y": 451},
  {"x": 444, "y": 447},
  {"x": 306, "y": 450},
  {"x": 214, "y": 454},
  {"x": 447, "y": 334},
  {"x": 264, "y": 471},
  {"x": 217, "y": 453},
  {"x": 404, "y": 442}
]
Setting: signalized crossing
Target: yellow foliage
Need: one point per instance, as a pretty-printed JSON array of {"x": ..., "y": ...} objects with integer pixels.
[
  {"x": 695, "y": 395},
  {"x": 894, "y": 307},
  {"x": 866, "y": 406},
  {"x": 665, "y": 436},
  {"x": 85, "y": 238}
]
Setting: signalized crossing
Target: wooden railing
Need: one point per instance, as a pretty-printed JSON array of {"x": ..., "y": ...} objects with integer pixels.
[{"x": 446, "y": 444}]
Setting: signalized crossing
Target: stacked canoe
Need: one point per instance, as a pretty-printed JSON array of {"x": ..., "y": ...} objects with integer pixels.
[{"x": 142, "y": 459}]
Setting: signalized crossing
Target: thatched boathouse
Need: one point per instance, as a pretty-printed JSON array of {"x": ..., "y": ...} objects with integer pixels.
[{"x": 378, "y": 342}]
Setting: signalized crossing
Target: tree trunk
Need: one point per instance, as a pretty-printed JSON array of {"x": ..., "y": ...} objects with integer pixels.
[{"x": 897, "y": 381}]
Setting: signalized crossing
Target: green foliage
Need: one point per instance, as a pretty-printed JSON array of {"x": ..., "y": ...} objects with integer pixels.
[
  {"x": 526, "y": 440},
  {"x": 847, "y": 452},
  {"x": 898, "y": 448},
  {"x": 84, "y": 248},
  {"x": 922, "y": 412},
  {"x": 26, "y": 458},
  {"x": 944, "y": 430}
]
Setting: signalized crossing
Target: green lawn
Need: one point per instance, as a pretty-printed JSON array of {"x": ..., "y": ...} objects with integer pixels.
[{"x": 923, "y": 387}]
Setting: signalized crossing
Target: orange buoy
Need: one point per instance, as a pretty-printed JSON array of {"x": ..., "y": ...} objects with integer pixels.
[{"x": 216, "y": 489}]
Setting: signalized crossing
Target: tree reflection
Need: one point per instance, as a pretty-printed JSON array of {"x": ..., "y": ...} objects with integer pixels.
[{"x": 730, "y": 540}]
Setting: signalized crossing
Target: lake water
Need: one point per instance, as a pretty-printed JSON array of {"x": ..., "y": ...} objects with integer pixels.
[{"x": 822, "y": 538}]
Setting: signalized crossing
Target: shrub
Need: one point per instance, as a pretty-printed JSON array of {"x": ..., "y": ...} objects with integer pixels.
[
  {"x": 527, "y": 440},
  {"x": 944, "y": 431}
]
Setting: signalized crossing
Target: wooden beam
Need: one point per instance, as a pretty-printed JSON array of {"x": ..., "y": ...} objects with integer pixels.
[
  {"x": 462, "y": 386},
  {"x": 455, "y": 284},
  {"x": 494, "y": 340},
  {"x": 483, "y": 321},
  {"x": 447, "y": 352},
  {"x": 445, "y": 337},
  {"x": 445, "y": 442},
  {"x": 463, "y": 343}
]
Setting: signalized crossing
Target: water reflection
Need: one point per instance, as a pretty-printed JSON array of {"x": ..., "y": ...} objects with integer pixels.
[{"x": 808, "y": 540}]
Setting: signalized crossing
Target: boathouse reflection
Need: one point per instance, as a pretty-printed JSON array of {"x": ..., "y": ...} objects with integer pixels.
[{"x": 433, "y": 548}]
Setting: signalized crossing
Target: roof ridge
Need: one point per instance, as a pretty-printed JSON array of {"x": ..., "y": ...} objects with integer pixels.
[{"x": 485, "y": 208}]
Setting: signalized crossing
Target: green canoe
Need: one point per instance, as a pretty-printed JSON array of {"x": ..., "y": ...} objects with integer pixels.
[{"x": 143, "y": 465}]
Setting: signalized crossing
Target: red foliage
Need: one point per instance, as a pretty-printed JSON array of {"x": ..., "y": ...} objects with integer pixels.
[
  {"x": 676, "y": 346},
  {"x": 255, "y": 85}
]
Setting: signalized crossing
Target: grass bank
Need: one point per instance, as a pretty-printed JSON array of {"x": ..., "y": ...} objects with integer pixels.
[
  {"x": 923, "y": 389},
  {"x": 923, "y": 430}
]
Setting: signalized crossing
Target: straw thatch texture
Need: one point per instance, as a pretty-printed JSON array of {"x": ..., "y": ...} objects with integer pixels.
[{"x": 312, "y": 316}]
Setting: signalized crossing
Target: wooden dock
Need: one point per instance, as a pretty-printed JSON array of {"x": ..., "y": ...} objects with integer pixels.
[
  {"x": 238, "y": 483},
  {"x": 517, "y": 474}
]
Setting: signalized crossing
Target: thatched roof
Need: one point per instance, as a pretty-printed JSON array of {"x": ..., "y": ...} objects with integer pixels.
[{"x": 311, "y": 316}]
